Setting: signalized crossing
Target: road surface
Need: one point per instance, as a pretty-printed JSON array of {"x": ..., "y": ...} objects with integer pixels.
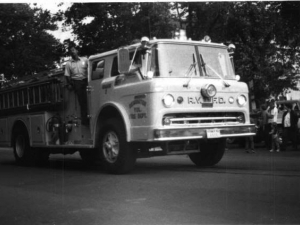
[{"x": 260, "y": 188}]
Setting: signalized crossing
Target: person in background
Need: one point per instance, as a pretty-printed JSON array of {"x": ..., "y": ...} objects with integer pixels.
[
  {"x": 264, "y": 123},
  {"x": 273, "y": 114},
  {"x": 76, "y": 77},
  {"x": 275, "y": 138},
  {"x": 290, "y": 127},
  {"x": 249, "y": 147}
]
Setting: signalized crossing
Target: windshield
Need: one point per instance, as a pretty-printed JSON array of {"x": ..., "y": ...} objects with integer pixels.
[
  {"x": 183, "y": 61},
  {"x": 216, "y": 62}
]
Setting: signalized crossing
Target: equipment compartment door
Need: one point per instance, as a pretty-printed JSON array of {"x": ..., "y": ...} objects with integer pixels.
[{"x": 37, "y": 128}]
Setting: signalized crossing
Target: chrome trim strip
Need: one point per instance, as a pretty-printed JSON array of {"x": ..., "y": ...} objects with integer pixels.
[
  {"x": 204, "y": 124},
  {"x": 177, "y": 138},
  {"x": 203, "y": 118},
  {"x": 204, "y": 127},
  {"x": 199, "y": 137}
]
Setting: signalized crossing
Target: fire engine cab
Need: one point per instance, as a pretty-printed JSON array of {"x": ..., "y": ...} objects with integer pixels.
[{"x": 156, "y": 97}]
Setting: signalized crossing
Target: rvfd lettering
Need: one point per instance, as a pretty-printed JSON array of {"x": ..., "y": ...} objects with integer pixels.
[
  {"x": 194, "y": 100},
  {"x": 219, "y": 100},
  {"x": 199, "y": 100}
]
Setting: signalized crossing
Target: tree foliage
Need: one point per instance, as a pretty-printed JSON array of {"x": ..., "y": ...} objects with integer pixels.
[
  {"x": 25, "y": 46},
  {"x": 263, "y": 56},
  {"x": 117, "y": 24},
  {"x": 266, "y": 35}
]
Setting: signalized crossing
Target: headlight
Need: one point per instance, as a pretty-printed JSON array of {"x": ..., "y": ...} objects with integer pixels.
[
  {"x": 209, "y": 91},
  {"x": 168, "y": 100},
  {"x": 242, "y": 100}
]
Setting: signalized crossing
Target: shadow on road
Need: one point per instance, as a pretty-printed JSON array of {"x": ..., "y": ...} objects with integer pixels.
[{"x": 235, "y": 161}]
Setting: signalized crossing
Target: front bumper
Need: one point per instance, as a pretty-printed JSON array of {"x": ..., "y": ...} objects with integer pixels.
[{"x": 170, "y": 134}]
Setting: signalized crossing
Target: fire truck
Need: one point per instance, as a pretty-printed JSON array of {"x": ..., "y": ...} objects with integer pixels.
[{"x": 152, "y": 98}]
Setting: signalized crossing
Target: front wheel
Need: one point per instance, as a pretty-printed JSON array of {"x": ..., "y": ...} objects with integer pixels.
[
  {"x": 21, "y": 147},
  {"x": 116, "y": 153},
  {"x": 211, "y": 152}
]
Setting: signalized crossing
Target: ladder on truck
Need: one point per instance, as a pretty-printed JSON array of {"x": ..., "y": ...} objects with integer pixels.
[{"x": 34, "y": 93}]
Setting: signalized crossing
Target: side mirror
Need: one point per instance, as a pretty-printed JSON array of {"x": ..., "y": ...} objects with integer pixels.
[
  {"x": 237, "y": 77},
  {"x": 123, "y": 60}
]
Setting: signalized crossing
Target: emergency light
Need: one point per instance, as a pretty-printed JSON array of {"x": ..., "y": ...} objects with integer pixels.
[
  {"x": 207, "y": 38},
  {"x": 180, "y": 34}
]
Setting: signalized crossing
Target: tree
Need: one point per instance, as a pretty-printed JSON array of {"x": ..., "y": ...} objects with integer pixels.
[
  {"x": 204, "y": 18},
  {"x": 116, "y": 24},
  {"x": 263, "y": 56},
  {"x": 262, "y": 33},
  {"x": 26, "y": 47}
]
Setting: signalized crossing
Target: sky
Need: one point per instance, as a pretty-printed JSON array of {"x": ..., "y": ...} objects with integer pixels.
[{"x": 53, "y": 8}]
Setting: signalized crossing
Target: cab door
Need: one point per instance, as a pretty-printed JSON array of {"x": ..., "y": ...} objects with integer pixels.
[{"x": 96, "y": 75}]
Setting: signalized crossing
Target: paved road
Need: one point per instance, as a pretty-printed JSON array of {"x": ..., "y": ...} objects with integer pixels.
[{"x": 261, "y": 188}]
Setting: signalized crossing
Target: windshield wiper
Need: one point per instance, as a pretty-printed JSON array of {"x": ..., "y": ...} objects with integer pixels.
[
  {"x": 192, "y": 66},
  {"x": 203, "y": 64}
]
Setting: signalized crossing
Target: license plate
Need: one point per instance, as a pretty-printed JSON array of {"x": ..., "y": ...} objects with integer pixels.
[{"x": 213, "y": 133}]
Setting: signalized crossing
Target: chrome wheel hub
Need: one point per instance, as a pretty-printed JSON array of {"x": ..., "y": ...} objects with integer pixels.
[
  {"x": 111, "y": 146},
  {"x": 20, "y": 146}
]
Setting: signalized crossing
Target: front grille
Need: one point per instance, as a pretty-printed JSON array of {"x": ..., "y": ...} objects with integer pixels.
[{"x": 204, "y": 119}]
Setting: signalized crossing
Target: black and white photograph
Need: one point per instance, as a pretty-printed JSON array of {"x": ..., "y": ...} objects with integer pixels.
[{"x": 149, "y": 112}]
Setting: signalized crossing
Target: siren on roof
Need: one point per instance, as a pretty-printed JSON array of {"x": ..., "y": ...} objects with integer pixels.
[{"x": 231, "y": 48}]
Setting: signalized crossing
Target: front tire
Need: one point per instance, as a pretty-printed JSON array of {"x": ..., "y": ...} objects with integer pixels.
[
  {"x": 21, "y": 147},
  {"x": 23, "y": 153},
  {"x": 211, "y": 152},
  {"x": 117, "y": 155}
]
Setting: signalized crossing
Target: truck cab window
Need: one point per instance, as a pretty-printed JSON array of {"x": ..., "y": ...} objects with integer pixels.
[
  {"x": 154, "y": 62},
  {"x": 137, "y": 58},
  {"x": 98, "y": 70},
  {"x": 114, "y": 68}
]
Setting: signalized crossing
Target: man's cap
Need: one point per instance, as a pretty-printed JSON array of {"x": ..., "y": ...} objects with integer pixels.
[{"x": 145, "y": 39}]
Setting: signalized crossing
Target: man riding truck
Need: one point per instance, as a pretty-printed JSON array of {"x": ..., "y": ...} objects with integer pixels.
[{"x": 76, "y": 75}]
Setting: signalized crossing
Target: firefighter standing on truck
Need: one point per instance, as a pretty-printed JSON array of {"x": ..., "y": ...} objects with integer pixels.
[{"x": 76, "y": 76}]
